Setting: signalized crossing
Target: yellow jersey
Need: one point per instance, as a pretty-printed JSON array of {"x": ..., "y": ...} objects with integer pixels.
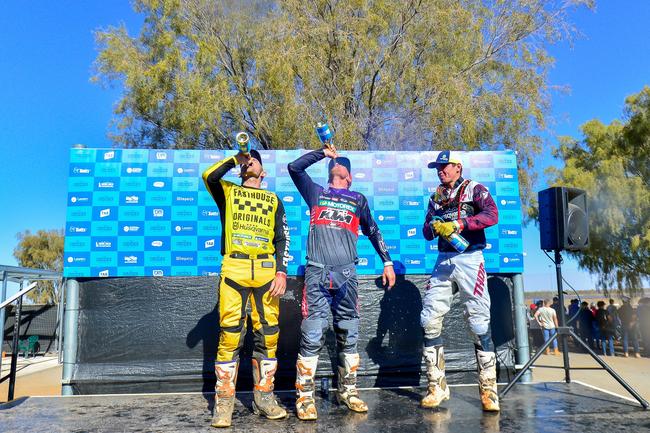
[{"x": 253, "y": 221}]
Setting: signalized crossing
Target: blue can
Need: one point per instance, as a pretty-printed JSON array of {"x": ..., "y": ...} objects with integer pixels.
[
  {"x": 324, "y": 133},
  {"x": 458, "y": 242},
  {"x": 325, "y": 386}
]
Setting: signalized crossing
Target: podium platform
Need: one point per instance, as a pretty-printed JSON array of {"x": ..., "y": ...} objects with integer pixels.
[{"x": 543, "y": 407}]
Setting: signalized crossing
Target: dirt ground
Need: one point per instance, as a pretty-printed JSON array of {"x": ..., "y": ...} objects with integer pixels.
[
  {"x": 635, "y": 371},
  {"x": 46, "y": 382}
]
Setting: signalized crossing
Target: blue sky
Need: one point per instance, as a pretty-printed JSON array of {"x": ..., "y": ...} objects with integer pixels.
[{"x": 48, "y": 102}]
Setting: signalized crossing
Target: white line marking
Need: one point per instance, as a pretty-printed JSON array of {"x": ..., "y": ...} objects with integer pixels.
[{"x": 604, "y": 391}]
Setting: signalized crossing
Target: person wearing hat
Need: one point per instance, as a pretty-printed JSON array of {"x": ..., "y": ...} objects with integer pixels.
[
  {"x": 465, "y": 207},
  {"x": 330, "y": 276},
  {"x": 254, "y": 229}
]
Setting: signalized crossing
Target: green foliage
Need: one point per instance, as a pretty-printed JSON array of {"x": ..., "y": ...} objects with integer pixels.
[
  {"x": 413, "y": 74},
  {"x": 611, "y": 163},
  {"x": 43, "y": 250}
]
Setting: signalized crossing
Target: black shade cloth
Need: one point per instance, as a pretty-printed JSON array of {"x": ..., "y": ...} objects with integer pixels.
[{"x": 160, "y": 334}]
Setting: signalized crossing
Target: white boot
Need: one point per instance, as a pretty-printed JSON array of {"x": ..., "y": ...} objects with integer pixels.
[
  {"x": 305, "y": 386},
  {"x": 487, "y": 380},
  {"x": 347, "y": 392},
  {"x": 437, "y": 391},
  {"x": 264, "y": 402},
  {"x": 225, "y": 393}
]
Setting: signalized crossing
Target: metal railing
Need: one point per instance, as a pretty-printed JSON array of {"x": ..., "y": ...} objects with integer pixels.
[
  {"x": 14, "y": 346},
  {"x": 22, "y": 276}
]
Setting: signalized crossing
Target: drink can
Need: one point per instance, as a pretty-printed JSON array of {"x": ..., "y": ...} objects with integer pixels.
[
  {"x": 324, "y": 133},
  {"x": 243, "y": 142},
  {"x": 325, "y": 386},
  {"x": 458, "y": 242}
]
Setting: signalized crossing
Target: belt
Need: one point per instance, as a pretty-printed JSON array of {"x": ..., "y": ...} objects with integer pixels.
[
  {"x": 248, "y": 256},
  {"x": 335, "y": 268}
]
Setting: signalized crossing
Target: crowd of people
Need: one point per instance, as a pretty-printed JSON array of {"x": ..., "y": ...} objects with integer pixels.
[{"x": 600, "y": 325}]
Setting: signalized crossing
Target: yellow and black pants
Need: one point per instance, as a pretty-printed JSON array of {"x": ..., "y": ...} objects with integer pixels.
[{"x": 242, "y": 280}]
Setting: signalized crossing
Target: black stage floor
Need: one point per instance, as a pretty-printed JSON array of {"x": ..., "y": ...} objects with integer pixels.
[{"x": 545, "y": 407}]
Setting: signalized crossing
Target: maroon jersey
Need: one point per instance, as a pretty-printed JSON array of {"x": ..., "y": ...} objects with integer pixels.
[{"x": 468, "y": 202}]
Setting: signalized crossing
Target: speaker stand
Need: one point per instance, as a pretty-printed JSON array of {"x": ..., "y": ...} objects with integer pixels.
[{"x": 562, "y": 333}]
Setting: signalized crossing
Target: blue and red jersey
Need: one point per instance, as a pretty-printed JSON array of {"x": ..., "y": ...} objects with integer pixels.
[{"x": 335, "y": 218}]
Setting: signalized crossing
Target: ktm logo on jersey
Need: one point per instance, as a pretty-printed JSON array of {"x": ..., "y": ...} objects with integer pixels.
[{"x": 335, "y": 215}]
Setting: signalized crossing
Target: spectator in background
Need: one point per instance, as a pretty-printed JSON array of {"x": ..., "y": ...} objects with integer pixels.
[
  {"x": 534, "y": 329},
  {"x": 595, "y": 329},
  {"x": 585, "y": 324},
  {"x": 643, "y": 321},
  {"x": 606, "y": 327},
  {"x": 613, "y": 313},
  {"x": 629, "y": 326},
  {"x": 572, "y": 318},
  {"x": 611, "y": 308},
  {"x": 558, "y": 308},
  {"x": 547, "y": 319}
]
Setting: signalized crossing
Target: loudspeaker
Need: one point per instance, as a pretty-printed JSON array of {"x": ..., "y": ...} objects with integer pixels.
[{"x": 563, "y": 219}]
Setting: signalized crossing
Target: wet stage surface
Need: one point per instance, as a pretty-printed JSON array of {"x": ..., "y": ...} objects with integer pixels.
[{"x": 546, "y": 407}]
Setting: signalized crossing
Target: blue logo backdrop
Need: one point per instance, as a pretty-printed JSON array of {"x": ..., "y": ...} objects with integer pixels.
[{"x": 138, "y": 212}]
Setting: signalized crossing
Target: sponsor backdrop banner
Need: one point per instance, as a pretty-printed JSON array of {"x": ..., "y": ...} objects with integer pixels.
[{"x": 141, "y": 212}]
